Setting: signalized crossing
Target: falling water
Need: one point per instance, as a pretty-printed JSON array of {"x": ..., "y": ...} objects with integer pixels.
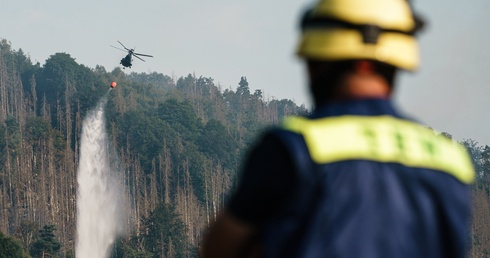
[{"x": 98, "y": 199}]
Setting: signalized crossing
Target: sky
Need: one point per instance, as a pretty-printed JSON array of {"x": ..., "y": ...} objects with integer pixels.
[{"x": 228, "y": 39}]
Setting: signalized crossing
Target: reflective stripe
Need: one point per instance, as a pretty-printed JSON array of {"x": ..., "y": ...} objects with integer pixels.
[{"x": 383, "y": 139}]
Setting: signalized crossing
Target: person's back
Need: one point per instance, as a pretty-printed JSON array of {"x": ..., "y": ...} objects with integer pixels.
[
  {"x": 355, "y": 178},
  {"x": 369, "y": 183}
]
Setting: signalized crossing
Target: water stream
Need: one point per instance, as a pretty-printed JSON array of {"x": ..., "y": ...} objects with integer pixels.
[{"x": 99, "y": 196}]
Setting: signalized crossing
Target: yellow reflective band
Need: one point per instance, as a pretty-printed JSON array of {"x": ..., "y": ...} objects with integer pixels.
[{"x": 382, "y": 139}]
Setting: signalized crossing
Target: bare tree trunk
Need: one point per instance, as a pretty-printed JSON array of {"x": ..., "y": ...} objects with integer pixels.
[
  {"x": 33, "y": 101},
  {"x": 167, "y": 166},
  {"x": 480, "y": 227},
  {"x": 154, "y": 199}
]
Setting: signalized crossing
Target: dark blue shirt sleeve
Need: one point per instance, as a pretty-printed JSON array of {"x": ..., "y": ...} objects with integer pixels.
[{"x": 266, "y": 181}]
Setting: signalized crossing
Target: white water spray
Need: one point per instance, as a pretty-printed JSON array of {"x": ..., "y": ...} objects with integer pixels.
[{"x": 99, "y": 209}]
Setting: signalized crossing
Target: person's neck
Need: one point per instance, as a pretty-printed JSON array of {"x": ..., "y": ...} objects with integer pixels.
[{"x": 361, "y": 86}]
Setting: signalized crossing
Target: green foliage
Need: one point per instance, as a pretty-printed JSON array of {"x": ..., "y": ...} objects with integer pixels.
[
  {"x": 157, "y": 79},
  {"x": 70, "y": 254},
  {"x": 65, "y": 83},
  {"x": 186, "y": 84},
  {"x": 474, "y": 151},
  {"x": 243, "y": 89},
  {"x": 171, "y": 135},
  {"x": 26, "y": 232},
  {"x": 17, "y": 60},
  {"x": 37, "y": 129},
  {"x": 46, "y": 245},
  {"x": 144, "y": 134},
  {"x": 5, "y": 46},
  {"x": 130, "y": 248},
  {"x": 181, "y": 117},
  {"x": 218, "y": 144},
  {"x": 55, "y": 75},
  {"x": 12, "y": 136},
  {"x": 11, "y": 248},
  {"x": 166, "y": 233}
]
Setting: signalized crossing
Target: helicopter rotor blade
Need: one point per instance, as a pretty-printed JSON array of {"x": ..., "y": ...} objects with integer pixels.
[
  {"x": 139, "y": 54},
  {"x": 118, "y": 48},
  {"x": 139, "y": 58},
  {"x": 123, "y": 45}
]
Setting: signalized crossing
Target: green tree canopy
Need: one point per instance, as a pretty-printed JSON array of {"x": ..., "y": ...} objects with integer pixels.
[
  {"x": 166, "y": 233},
  {"x": 217, "y": 143},
  {"x": 243, "y": 87},
  {"x": 11, "y": 248},
  {"x": 46, "y": 245}
]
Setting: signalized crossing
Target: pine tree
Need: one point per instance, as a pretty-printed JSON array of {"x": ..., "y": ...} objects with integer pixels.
[{"x": 46, "y": 245}]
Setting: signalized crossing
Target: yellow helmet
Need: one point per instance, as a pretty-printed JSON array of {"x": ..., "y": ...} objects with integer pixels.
[{"x": 381, "y": 30}]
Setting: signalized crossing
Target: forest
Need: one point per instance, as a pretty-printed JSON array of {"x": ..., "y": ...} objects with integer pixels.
[{"x": 180, "y": 142}]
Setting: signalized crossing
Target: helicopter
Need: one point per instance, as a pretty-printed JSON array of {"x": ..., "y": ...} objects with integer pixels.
[{"x": 127, "y": 60}]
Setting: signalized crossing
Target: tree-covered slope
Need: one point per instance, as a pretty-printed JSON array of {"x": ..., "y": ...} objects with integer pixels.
[{"x": 180, "y": 143}]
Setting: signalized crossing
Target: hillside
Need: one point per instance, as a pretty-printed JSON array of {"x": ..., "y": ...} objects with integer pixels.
[{"x": 180, "y": 142}]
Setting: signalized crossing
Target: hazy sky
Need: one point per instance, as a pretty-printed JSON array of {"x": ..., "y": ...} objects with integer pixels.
[{"x": 227, "y": 39}]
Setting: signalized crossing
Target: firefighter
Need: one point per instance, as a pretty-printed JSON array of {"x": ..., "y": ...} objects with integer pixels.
[{"x": 355, "y": 178}]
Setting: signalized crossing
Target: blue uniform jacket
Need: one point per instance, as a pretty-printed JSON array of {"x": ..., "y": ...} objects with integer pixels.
[{"x": 356, "y": 179}]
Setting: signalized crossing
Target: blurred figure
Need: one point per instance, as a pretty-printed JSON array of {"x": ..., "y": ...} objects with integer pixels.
[{"x": 355, "y": 178}]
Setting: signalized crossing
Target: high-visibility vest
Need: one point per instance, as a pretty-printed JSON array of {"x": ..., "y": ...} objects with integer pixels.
[{"x": 383, "y": 139}]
